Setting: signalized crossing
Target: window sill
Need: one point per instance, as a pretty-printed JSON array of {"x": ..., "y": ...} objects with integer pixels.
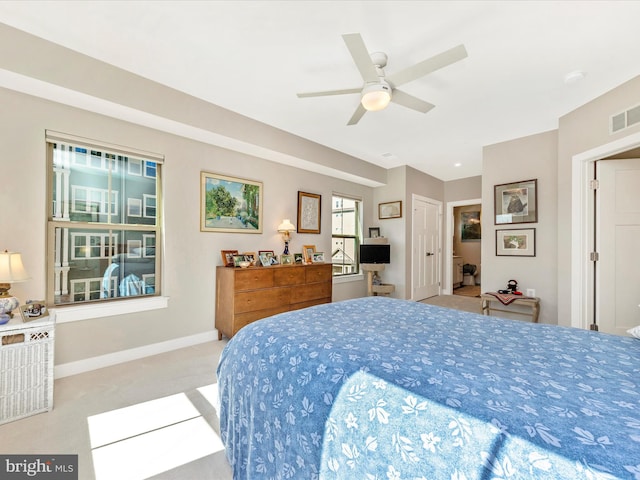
[
  {"x": 78, "y": 313},
  {"x": 358, "y": 277}
]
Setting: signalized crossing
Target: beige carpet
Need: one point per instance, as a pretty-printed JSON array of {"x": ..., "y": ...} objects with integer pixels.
[
  {"x": 457, "y": 302},
  {"x": 468, "y": 291},
  {"x": 165, "y": 446}
]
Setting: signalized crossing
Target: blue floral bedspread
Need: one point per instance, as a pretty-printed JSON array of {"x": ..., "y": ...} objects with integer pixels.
[{"x": 378, "y": 388}]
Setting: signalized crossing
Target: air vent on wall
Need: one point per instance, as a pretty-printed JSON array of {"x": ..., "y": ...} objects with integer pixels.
[{"x": 625, "y": 119}]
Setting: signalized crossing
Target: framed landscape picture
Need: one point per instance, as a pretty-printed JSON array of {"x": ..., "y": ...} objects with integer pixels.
[{"x": 228, "y": 204}]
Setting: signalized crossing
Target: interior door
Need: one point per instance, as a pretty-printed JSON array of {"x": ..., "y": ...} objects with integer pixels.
[
  {"x": 426, "y": 249},
  {"x": 617, "y": 226}
]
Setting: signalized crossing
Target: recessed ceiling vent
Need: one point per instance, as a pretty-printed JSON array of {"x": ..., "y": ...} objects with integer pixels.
[{"x": 625, "y": 119}]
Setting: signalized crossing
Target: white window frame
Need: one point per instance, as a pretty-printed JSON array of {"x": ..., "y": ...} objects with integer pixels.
[
  {"x": 58, "y": 170},
  {"x": 357, "y": 275}
]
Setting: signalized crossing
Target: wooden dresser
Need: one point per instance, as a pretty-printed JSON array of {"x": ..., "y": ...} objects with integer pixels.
[{"x": 244, "y": 295}]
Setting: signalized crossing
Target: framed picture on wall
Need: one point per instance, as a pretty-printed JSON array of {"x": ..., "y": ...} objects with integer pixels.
[
  {"x": 516, "y": 202},
  {"x": 470, "y": 228},
  {"x": 390, "y": 210},
  {"x": 309, "y": 212},
  {"x": 516, "y": 243},
  {"x": 228, "y": 204}
]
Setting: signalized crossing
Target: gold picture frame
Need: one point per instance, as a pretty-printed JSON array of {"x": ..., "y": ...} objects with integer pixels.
[
  {"x": 309, "y": 212},
  {"x": 307, "y": 253},
  {"x": 228, "y": 204},
  {"x": 390, "y": 210}
]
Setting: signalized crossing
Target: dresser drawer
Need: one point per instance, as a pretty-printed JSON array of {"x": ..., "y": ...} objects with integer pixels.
[
  {"x": 253, "y": 278},
  {"x": 244, "y": 319},
  {"x": 289, "y": 276},
  {"x": 255, "y": 300},
  {"x": 318, "y": 273},
  {"x": 313, "y": 291}
]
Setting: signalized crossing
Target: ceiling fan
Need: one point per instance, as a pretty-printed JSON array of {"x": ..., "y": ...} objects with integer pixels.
[{"x": 378, "y": 89}]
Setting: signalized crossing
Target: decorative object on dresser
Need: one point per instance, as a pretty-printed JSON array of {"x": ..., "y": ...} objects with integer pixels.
[
  {"x": 309, "y": 212},
  {"x": 249, "y": 294},
  {"x": 227, "y": 257},
  {"x": 374, "y": 232},
  {"x": 516, "y": 202},
  {"x": 26, "y": 368},
  {"x": 33, "y": 310},
  {"x": 228, "y": 204},
  {"x": 11, "y": 271},
  {"x": 285, "y": 228},
  {"x": 390, "y": 210},
  {"x": 307, "y": 252}
]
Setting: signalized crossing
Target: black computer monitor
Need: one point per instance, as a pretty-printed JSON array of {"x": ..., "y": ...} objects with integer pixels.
[{"x": 375, "y": 253}]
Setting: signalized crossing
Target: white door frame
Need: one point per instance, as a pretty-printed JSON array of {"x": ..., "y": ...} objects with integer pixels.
[
  {"x": 582, "y": 225},
  {"x": 438, "y": 203},
  {"x": 447, "y": 288}
]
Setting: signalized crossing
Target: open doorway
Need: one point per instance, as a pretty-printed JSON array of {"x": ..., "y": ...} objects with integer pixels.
[{"x": 463, "y": 246}]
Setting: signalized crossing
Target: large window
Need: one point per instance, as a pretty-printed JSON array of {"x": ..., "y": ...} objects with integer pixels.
[
  {"x": 346, "y": 233},
  {"x": 104, "y": 221}
]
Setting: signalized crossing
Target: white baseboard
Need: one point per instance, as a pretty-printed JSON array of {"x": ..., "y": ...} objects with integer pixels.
[{"x": 94, "y": 363}]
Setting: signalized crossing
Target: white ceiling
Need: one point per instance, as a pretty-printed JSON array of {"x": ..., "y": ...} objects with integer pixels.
[{"x": 253, "y": 57}]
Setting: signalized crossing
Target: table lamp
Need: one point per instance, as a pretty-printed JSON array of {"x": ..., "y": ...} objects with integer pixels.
[
  {"x": 285, "y": 228},
  {"x": 11, "y": 271}
]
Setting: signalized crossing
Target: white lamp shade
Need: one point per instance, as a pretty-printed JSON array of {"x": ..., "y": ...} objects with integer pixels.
[
  {"x": 286, "y": 226},
  {"x": 11, "y": 268},
  {"x": 376, "y": 97}
]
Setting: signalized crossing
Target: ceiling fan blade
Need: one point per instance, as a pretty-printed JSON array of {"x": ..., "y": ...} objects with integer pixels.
[
  {"x": 409, "y": 101},
  {"x": 429, "y": 65},
  {"x": 357, "y": 115},
  {"x": 361, "y": 57},
  {"x": 329, "y": 92}
]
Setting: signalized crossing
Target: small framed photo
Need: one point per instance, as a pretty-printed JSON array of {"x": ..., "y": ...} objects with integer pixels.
[
  {"x": 390, "y": 210},
  {"x": 265, "y": 259},
  {"x": 286, "y": 259},
  {"x": 251, "y": 257},
  {"x": 309, "y": 212},
  {"x": 516, "y": 243},
  {"x": 307, "y": 252},
  {"x": 298, "y": 258},
  {"x": 33, "y": 310},
  {"x": 516, "y": 202},
  {"x": 374, "y": 232},
  {"x": 318, "y": 257},
  {"x": 227, "y": 257}
]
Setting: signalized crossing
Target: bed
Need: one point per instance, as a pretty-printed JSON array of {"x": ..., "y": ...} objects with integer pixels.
[{"x": 380, "y": 388}]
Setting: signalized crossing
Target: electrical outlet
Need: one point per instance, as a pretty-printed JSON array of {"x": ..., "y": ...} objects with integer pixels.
[{"x": 531, "y": 292}]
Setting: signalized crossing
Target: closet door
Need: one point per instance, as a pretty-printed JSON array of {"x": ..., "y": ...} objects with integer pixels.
[{"x": 617, "y": 241}]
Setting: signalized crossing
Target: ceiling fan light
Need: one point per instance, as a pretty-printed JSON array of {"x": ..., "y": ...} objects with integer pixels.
[{"x": 376, "y": 97}]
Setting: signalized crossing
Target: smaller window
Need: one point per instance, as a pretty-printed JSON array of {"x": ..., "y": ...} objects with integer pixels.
[{"x": 346, "y": 234}]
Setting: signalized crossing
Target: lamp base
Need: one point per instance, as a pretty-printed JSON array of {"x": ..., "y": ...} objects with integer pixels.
[
  {"x": 7, "y": 304},
  {"x": 286, "y": 248}
]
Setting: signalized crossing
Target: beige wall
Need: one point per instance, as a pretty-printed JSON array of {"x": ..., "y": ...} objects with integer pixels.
[
  {"x": 533, "y": 157},
  {"x": 190, "y": 256}
]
